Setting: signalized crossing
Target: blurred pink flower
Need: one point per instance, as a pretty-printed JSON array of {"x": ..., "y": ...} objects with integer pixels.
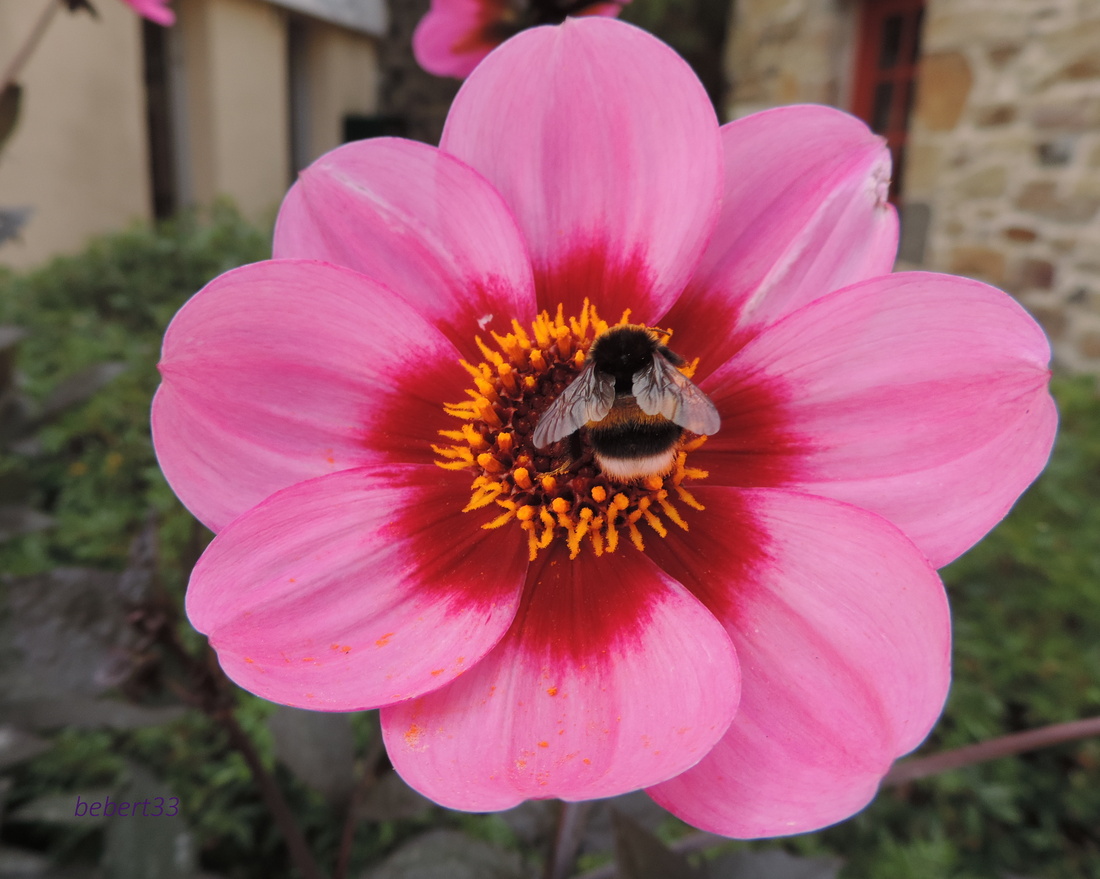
[
  {"x": 455, "y": 35},
  {"x": 154, "y": 10},
  {"x": 756, "y": 637}
]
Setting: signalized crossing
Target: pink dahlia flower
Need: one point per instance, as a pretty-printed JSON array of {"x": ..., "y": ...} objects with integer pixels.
[
  {"x": 753, "y": 636},
  {"x": 154, "y": 10},
  {"x": 455, "y": 35}
]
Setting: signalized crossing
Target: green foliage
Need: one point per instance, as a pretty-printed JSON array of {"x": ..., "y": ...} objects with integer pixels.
[{"x": 94, "y": 469}]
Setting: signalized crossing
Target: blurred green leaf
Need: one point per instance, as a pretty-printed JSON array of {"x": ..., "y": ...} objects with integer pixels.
[{"x": 78, "y": 388}]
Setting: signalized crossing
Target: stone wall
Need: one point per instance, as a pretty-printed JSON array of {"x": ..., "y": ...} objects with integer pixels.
[
  {"x": 1004, "y": 158},
  {"x": 789, "y": 52},
  {"x": 1002, "y": 177}
]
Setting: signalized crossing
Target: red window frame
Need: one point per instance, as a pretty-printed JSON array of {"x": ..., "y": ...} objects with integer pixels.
[{"x": 886, "y": 72}]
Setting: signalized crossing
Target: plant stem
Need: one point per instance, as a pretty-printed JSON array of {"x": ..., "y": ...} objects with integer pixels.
[
  {"x": 991, "y": 749},
  {"x": 27, "y": 49},
  {"x": 297, "y": 847},
  {"x": 567, "y": 840},
  {"x": 209, "y": 690},
  {"x": 375, "y": 751}
]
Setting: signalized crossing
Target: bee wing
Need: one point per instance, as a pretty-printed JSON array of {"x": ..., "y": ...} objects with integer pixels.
[
  {"x": 587, "y": 398},
  {"x": 661, "y": 389}
]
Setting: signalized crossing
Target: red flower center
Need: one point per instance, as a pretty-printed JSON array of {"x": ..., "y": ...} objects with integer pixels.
[{"x": 560, "y": 490}]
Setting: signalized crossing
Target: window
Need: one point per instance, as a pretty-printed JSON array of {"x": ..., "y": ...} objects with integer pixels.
[{"x": 886, "y": 65}]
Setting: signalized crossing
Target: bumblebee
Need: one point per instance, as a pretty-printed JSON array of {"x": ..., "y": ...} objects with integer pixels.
[{"x": 635, "y": 403}]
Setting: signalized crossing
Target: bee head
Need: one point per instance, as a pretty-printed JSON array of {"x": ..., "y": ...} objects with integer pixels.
[{"x": 624, "y": 350}]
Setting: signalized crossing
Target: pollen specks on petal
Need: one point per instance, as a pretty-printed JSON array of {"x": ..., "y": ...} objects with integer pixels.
[{"x": 412, "y": 737}]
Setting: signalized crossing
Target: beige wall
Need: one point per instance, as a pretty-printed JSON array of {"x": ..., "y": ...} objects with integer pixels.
[
  {"x": 79, "y": 155},
  {"x": 343, "y": 78},
  {"x": 236, "y": 105}
]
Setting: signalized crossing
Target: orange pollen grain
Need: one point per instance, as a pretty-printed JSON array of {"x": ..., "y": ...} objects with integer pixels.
[{"x": 554, "y": 493}]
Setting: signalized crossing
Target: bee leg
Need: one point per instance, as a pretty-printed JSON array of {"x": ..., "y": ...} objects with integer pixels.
[{"x": 576, "y": 447}]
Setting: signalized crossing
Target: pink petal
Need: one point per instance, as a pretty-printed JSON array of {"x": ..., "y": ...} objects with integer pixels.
[
  {"x": 418, "y": 221},
  {"x": 843, "y": 633},
  {"x": 455, "y": 35},
  {"x": 154, "y": 10},
  {"x": 804, "y": 212},
  {"x": 285, "y": 370},
  {"x": 920, "y": 397},
  {"x": 357, "y": 589},
  {"x": 605, "y": 146},
  {"x": 612, "y": 677}
]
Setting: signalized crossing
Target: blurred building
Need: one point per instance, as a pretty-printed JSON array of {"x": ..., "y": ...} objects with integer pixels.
[
  {"x": 992, "y": 111},
  {"x": 122, "y": 119}
]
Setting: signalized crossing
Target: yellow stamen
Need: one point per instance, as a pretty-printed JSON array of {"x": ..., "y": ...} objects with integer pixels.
[
  {"x": 490, "y": 464},
  {"x": 546, "y": 491}
]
